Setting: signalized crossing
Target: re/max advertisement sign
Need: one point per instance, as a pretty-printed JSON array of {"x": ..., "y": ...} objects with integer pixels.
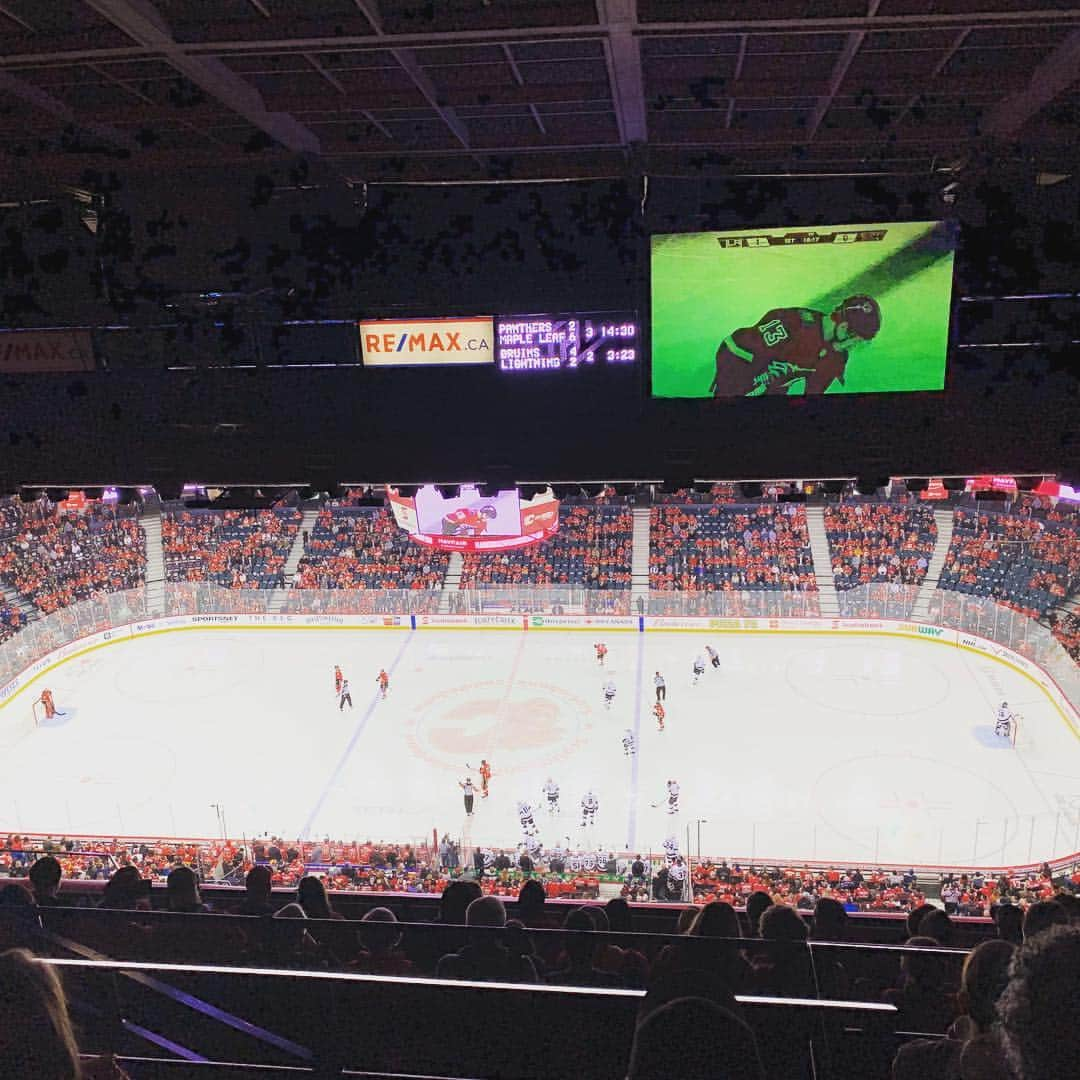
[{"x": 427, "y": 342}]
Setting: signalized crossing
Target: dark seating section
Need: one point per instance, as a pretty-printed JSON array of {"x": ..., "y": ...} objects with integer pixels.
[
  {"x": 1027, "y": 562},
  {"x": 54, "y": 558},
  {"x": 593, "y": 549},
  {"x": 10, "y": 620},
  {"x": 881, "y": 543},
  {"x": 237, "y": 549},
  {"x": 352, "y": 548},
  {"x": 738, "y": 547}
]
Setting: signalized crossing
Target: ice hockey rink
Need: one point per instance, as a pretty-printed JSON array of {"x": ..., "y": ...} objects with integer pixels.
[{"x": 847, "y": 748}]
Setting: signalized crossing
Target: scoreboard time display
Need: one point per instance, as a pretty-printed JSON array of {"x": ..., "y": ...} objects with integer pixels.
[{"x": 566, "y": 342}]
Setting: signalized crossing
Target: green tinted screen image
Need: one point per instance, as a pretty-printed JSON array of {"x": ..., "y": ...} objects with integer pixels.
[{"x": 843, "y": 309}]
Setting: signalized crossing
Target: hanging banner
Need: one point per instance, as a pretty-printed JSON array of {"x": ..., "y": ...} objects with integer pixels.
[{"x": 30, "y": 351}]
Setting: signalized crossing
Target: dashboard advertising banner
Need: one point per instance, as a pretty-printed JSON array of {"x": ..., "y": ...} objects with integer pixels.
[{"x": 427, "y": 342}]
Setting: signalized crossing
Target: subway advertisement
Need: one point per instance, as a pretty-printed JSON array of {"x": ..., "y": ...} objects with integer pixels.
[{"x": 840, "y": 309}]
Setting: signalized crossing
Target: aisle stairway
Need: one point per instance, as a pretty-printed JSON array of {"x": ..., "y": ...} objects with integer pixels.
[
  {"x": 296, "y": 553},
  {"x": 451, "y": 582},
  {"x": 944, "y": 519},
  {"x": 639, "y": 565},
  {"x": 819, "y": 545},
  {"x": 150, "y": 520},
  {"x": 23, "y": 606}
]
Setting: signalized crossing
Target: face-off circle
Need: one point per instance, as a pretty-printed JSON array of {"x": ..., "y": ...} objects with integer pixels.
[{"x": 526, "y": 726}]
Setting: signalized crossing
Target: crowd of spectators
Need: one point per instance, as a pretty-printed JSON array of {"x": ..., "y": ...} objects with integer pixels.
[
  {"x": 366, "y": 549},
  {"x": 731, "y": 548},
  {"x": 717, "y": 493},
  {"x": 55, "y": 557},
  {"x": 879, "y": 543},
  {"x": 10, "y": 620},
  {"x": 1066, "y": 628},
  {"x": 593, "y": 549},
  {"x": 802, "y": 887},
  {"x": 1025, "y": 561},
  {"x": 980, "y": 893},
  {"x": 237, "y": 549}
]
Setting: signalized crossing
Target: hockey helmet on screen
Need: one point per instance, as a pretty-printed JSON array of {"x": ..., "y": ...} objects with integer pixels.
[{"x": 862, "y": 316}]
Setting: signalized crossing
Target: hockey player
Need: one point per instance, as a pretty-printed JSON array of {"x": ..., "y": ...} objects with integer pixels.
[
  {"x": 601, "y": 652},
  {"x": 628, "y": 747},
  {"x": 609, "y": 693},
  {"x": 485, "y": 776},
  {"x": 659, "y": 713},
  {"x": 1003, "y": 724},
  {"x": 345, "y": 695},
  {"x": 589, "y": 806},
  {"x": 661, "y": 686},
  {"x": 672, "y": 796},
  {"x": 551, "y": 793},
  {"x": 46, "y": 699},
  {"x": 699, "y": 668},
  {"x": 338, "y": 677},
  {"x": 794, "y": 350},
  {"x": 525, "y": 816},
  {"x": 714, "y": 656},
  {"x": 384, "y": 681}
]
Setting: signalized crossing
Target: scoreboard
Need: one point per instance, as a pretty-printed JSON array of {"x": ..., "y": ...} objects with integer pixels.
[{"x": 566, "y": 342}]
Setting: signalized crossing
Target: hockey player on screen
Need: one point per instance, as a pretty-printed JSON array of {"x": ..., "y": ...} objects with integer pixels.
[
  {"x": 345, "y": 695},
  {"x": 384, "y": 682},
  {"x": 46, "y": 699},
  {"x": 468, "y": 521},
  {"x": 337, "y": 680},
  {"x": 525, "y": 816},
  {"x": 485, "y": 777},
  {"x": 601, "y": 652},
  {"x": 792, "y": 345},
  {"x": 672, "y": 796},
  {"x": 628, "y": 747},
  {"x": 714, "y": 656}
]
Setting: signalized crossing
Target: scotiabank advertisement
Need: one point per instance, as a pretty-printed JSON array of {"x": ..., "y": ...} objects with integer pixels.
[
  {"x": 427, "y": 342},
  {"x": 472, "y": 521}
]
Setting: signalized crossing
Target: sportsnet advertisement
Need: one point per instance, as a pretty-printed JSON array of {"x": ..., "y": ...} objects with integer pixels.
[
  {"x": 427, "y": 342},
  {"x": 472, "y": 521},
  {"x": 845, "y": 309}
]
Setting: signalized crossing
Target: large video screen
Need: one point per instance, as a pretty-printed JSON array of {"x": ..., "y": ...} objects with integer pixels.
[
  {"x": 469, "y": 513},
  {"x": 845, "y": 309}
]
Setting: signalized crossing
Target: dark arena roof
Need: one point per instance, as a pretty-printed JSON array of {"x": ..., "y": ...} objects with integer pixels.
[{"x": 543, "y": 89}]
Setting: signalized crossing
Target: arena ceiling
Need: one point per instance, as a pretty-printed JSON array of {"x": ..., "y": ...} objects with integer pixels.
[{"x": 381, "y": 90}]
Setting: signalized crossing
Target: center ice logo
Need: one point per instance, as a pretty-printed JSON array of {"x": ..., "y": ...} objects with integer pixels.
[{"x": 532, "y": 725}]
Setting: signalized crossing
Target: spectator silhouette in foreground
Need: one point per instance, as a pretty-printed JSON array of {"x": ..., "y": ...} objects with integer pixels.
[
  {"x": 312, "y": 897},
  {"x": 830, "y": 924},
  {"x": 126, "y": 891},
  {"x": 182, "y": 891},
  {"x": 1039, "y": 1011},
  {"x": 379, "y": 942},
  {"x": 36, "y": 1037},
  {"x": 530, "y": 904},
  {"x": 693, "y": 1038},
  {"x": 937, "y": 925},
  {"x": 971, "y": 1039},
  {"x": 257, "y": 892},
  {"x": 921, "y": 1000},
  {"x": 1041, "y": 916},
  {"x": 578, "y": 948},
  {"x": 1009, "y": 920},
  {"x": 45, "y": 877},
  {"x": 756, "y": 905},
  {"x": 702, "y": 951},
  {"x": 485, "y": 958}
]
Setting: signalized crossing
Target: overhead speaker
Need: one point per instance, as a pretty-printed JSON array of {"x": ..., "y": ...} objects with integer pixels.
[
  {"x": 30, "y": 494},
  {"x": 832, "y": 487},
  {"x": 917, "y": 483},
  {"x": 750, "y": 490},
  {"x": 954, "y": 483}
]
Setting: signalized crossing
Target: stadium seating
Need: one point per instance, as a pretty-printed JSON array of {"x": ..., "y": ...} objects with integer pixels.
[
  {"x": 1024, "y": 561},
  {"x": 10, "y": 621},
  {"x": 232, "y": 548},
  {"x": 1066, "y": 629},
  {"x": 879, "y": 543},
  {"x": 54, "y": 558},
  {"x": 741, "y": 547},
  {"x": 592, "y": 549},
  {"x": 366, "y": 549}
]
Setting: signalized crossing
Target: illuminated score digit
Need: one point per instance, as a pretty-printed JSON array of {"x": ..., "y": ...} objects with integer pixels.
[{"x": 572, "y": 343}]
